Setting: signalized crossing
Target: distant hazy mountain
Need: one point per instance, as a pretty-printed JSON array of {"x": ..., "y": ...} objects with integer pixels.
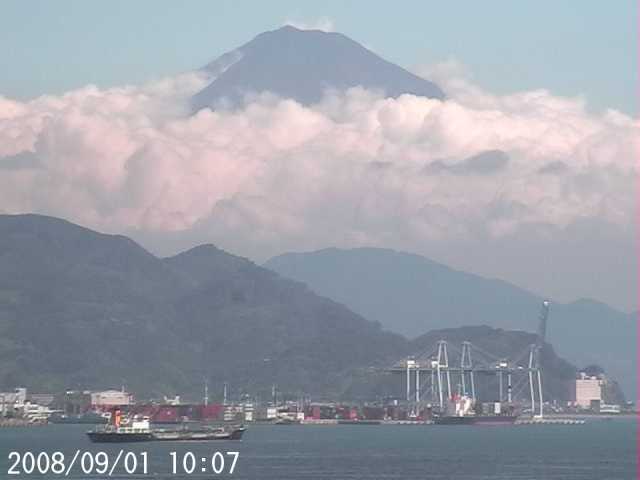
[
  {"x": 80, "y": 309},
  {"x": 302, "y": 65},
  {"x": 411, "y": 294}
]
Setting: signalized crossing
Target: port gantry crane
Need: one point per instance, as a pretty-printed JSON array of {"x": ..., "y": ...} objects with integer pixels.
[
  {"x": 535, "y": 354},
  {"x": 433, "y": 365}
]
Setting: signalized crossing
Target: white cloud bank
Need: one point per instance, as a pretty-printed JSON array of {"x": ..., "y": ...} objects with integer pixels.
[{"x": 356, "y": 169}]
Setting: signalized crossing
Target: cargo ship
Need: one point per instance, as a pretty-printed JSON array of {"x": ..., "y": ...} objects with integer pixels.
[
  {"x": 475, "y": 420},
  {"x": 200, "y": 434},
  {"x": 465, "y": 415},
  {"x": 139, "y": 429}
]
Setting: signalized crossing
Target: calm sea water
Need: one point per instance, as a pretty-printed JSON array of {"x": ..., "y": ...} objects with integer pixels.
[{"x": 599, "y": 450}]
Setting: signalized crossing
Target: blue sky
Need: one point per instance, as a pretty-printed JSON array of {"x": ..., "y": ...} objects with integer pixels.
[{"x": 572, "y": 48}]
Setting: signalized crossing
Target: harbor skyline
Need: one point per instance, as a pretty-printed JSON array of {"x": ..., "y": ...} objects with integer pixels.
[{"x": 329, "y": 240}]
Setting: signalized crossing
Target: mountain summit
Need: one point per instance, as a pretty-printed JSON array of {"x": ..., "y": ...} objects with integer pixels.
[{"x": 303, "y": 65}]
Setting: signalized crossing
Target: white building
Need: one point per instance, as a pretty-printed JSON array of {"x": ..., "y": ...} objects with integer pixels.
[
  {"x": 588, "y": 389},
  {"x": 606, "y": 408},
  {"x": 36, "y": 413},
  {"x": 11, "y": 402},
  {"x": 33, "y": 407}
]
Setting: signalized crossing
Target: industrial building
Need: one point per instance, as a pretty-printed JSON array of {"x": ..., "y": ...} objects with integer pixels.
[{"x": 107, "y": 399}]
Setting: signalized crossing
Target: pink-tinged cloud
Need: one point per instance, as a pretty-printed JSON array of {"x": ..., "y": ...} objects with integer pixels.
[{"x": 355, "y": 169}]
